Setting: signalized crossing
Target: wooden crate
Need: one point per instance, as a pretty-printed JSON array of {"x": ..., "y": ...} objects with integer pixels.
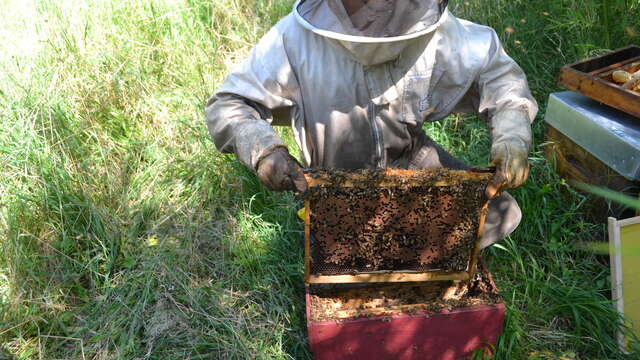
[
  {"x": 590, "y": 77},
  {"x": 408, "y": 331}
]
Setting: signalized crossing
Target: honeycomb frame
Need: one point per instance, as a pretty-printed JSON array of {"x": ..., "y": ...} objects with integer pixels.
[{"x": 378, "y": 248}]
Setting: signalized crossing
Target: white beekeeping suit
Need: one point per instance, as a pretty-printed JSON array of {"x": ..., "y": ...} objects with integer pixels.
[{"x": 357, "y": 90}]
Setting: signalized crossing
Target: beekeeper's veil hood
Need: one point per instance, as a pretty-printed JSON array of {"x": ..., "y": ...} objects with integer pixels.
[{"x": 376, "y": 33}]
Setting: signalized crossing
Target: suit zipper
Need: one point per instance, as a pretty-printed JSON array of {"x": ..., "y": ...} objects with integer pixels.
[{"x": 377, "y": 137}]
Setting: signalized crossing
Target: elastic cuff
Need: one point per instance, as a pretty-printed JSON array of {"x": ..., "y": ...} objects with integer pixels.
[{"x": 511, "y": 126}]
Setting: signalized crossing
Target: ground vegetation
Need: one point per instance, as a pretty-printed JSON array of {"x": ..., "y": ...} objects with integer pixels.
[{"x": 124, "y": 234}]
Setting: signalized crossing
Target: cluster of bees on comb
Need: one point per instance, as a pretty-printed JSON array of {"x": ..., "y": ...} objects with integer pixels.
[
  {"x": 339, "y": 301},
  {"x": 399, "y": 226}
]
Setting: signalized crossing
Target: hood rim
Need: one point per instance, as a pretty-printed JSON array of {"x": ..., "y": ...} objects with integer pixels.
[{"x": 365, "y": 39}]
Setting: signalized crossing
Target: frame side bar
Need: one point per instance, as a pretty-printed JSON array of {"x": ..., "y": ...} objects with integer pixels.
[{"x": 307, "y": 241}]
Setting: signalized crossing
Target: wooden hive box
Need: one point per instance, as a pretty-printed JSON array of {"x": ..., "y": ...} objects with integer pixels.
[
  {"x": 391, "y": 259},
  {"x": 592, "y": 78},
  {"x": 593, "y": 130},
  {"x": 404, "y": 321},
  {"x": 590, "y": 143}
]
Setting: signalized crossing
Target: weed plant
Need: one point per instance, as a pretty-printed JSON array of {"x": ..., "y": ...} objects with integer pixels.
[{"x": 124, "y": 234}]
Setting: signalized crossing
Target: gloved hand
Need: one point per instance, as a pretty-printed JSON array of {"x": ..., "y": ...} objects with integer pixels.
[
  {"x": 512, "y": 165},
  {"x": 511, "y": 136},
  {"x": 279, "y": 171}
]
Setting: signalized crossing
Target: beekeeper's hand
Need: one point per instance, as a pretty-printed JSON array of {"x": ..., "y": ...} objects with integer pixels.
[
  {"x": 512, "y": 164},
  {"x": 511, "y": 135},
  {"x": 279, "y": 171}
]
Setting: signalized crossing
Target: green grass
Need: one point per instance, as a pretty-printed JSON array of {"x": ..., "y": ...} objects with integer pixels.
[{"x": 124, "y": 234}]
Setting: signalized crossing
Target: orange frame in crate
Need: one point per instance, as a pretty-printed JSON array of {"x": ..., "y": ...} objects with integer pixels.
[{"x": 393, "y": 178}]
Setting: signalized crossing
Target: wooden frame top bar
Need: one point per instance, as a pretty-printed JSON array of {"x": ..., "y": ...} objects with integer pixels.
[
  {"x": 395, "y": 177},
  {"x": 390, "y": 276}
]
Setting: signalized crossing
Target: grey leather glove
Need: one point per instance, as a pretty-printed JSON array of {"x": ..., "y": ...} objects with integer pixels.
[
  {"x": 512, "y": 164},
  {"x": 511, "y": 133},
  {"x": 277, "y": 170}
]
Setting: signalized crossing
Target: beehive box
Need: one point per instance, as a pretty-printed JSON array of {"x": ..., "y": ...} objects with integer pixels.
[
  {"x": 591, "y": 143},
  {"x": 391, "y": 261},
  {"x": 434, "y": 320},
  {"x": 592, "y": 78},
  {"x": 393, "y": 225}
]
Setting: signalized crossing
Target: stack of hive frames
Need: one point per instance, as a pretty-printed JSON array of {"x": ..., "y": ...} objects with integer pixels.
[{"x": 393, "y": 225}]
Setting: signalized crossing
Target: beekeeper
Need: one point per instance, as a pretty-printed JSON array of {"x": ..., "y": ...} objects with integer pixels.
[{"x": 357, "y": 79}]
